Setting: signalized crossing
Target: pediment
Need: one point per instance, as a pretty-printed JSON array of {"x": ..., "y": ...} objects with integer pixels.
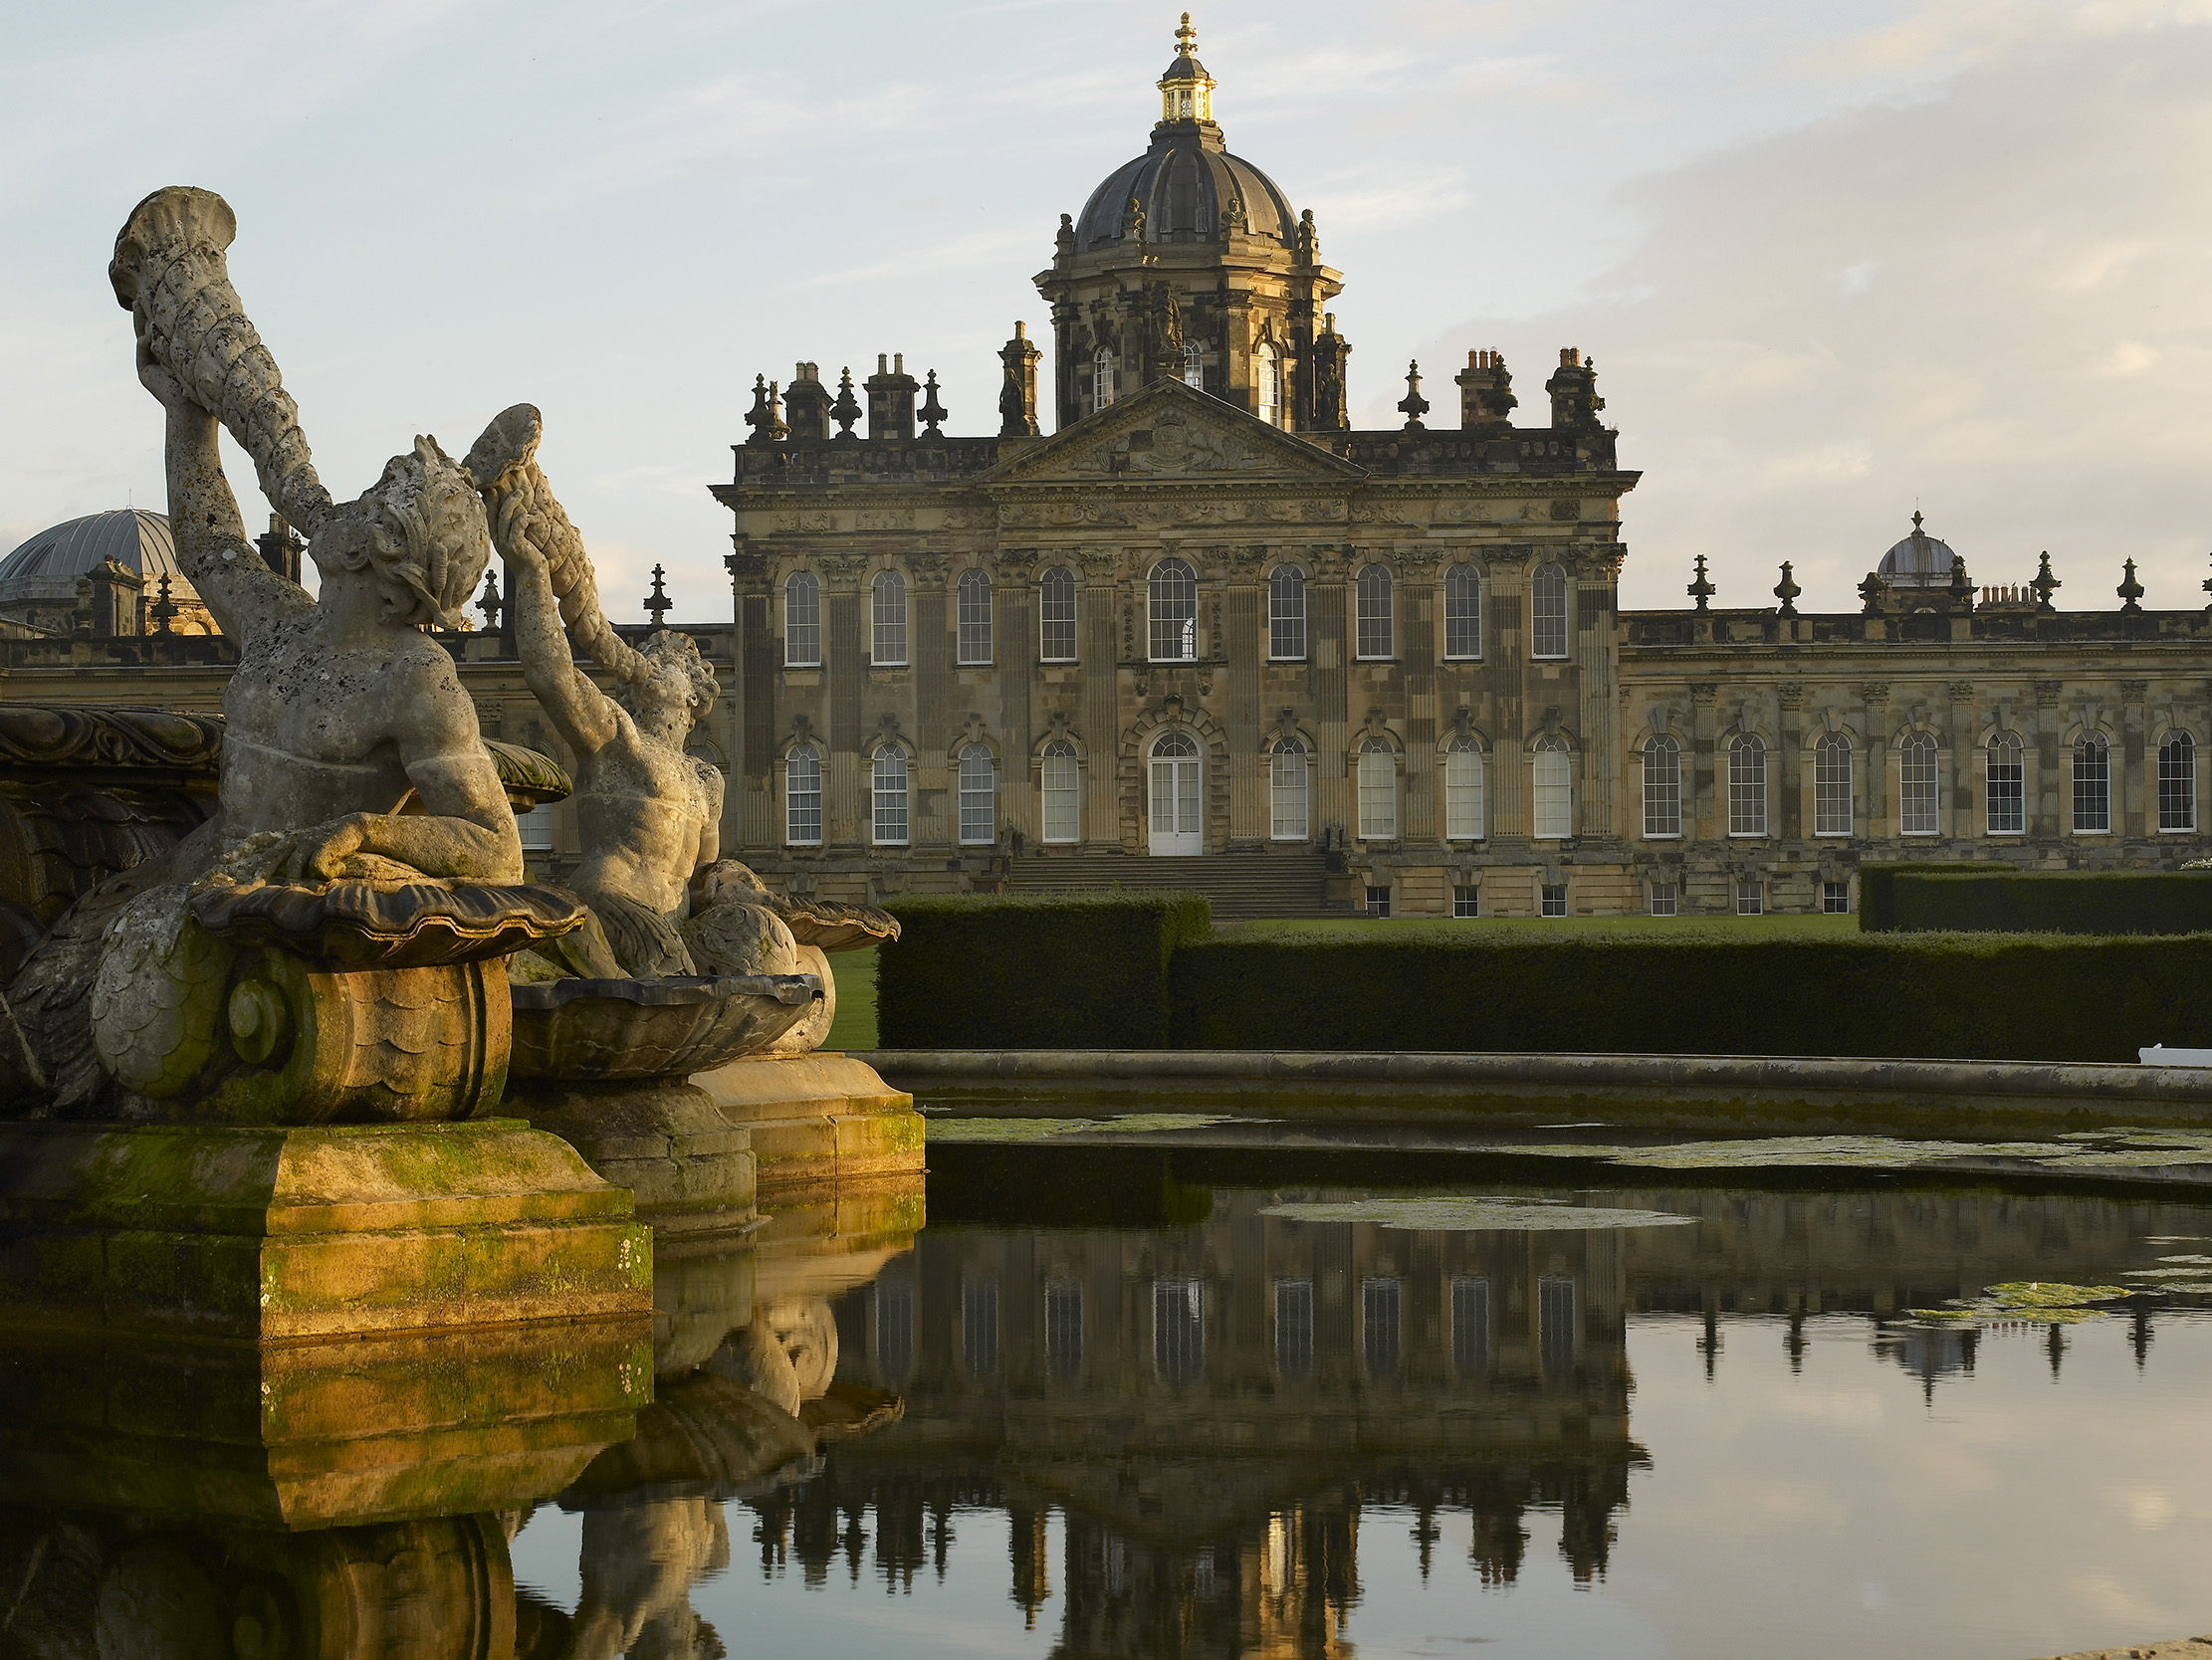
[{"x": 1168, "y": 432}]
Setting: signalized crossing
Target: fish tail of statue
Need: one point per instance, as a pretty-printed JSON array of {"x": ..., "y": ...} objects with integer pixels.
[{"x": 171, "y": 272}]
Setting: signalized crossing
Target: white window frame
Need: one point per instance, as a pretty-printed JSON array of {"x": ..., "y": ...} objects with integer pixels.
[
  {"x": 1552, "y": 799},
  {"x": 1662, "y": 788},
  {"x": 1375, "y": 632},
  {"x": 979, "y": 797},
  {"x": 1182, "y": 628},
  {"x": 2186, "y": 745},
  {"x": 2015, "y": 761},
  {"x": 1549, "y": 635},
  {"x": 1826, "y": 785},
  {"x": 802, "y": 808},
  {"x": 1287, "y": 615},
  {"x": 2103, "y": 748},
  {"x": 1290, "y": 812},
  {"x": 1463, "y": 614},
  {"x": 1061, "y": 786},
  {"x": 887, "y": 616},
  {"x": 1102, "y": 379},
  {"x": 534, "y": 826},
  {"x": 1748, "y": 786},
  {"x": 890, "y": 785},
  {"x": 972, "y": 620},
  {"x": 802, "y": 629},
  {"x": 1919, "y": 785},
  {"x": 1193, "y": 366},
  {"x": 1465, "y": 809},
  {"x": 1378, "y": 791},
  {"x": 1051, "y": 603},
  {"x": 1268, "y": 384}
]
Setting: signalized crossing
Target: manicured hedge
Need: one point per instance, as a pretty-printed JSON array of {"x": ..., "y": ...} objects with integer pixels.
[
  {"x": 1939, "y": 996},
  {"x": 1987, "y": 898},
  {"x": 1878, "y": 893},
  {"x": 981, "y": 971}
]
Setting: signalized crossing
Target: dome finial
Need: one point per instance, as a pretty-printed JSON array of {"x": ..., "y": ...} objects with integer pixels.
[
  {"x": 1187, "y": 39},
  {"x": 1186, "y": 91}
]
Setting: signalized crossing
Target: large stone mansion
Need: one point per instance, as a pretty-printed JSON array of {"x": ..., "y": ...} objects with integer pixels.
[{"x": 1205, "y": 632}]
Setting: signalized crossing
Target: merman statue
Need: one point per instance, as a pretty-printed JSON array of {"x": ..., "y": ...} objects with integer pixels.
[{"x": 648, "y": 814}]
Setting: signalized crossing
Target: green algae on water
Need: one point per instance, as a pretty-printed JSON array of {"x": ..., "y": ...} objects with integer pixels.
[{"x": 1447, "y": 1214}]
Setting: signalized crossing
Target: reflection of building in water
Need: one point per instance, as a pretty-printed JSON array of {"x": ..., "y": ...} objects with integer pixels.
[{"x": 1212, "y": 1409}]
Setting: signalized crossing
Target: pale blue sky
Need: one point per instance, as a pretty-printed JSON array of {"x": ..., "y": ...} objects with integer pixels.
[{"x": 1832, "y": 261}]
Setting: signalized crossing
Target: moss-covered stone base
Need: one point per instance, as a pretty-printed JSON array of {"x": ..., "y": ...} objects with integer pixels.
[
  {"x": 818, "y": 1122},
  {"x": 320, "y": 1433},
  {"x": 689, "y": 1168},
  {"x": 292, "y": 1232}
]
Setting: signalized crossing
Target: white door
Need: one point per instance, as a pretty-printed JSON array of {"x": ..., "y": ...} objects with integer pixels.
[{"x": 1175, "y": 797}]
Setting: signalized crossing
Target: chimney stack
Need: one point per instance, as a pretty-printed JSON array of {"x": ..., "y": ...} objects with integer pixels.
[
  {"x": 1485, "y": 390},
  {"x": 806, "y": 403},
  {"x": 891, "y": 400}
]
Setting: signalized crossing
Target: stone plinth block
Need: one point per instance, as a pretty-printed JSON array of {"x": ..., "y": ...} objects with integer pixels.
[
  {"x": 287, "y": 1232},
  {"x": 690, "y": 1170},
  {"x": 817, "y": 1120},
  {"x": 320, "y": 1433}
]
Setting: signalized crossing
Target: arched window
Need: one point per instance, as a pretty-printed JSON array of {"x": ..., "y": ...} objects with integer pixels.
[
  {"x": 1831, "y": 806},
  {"x": 1554, "y": 788},
  {"x": 1463, "y": 791},
  {"x": 1287, "y": 615},
  {"x": 1376, "y": 635},
  {"x": 2177, "y": 782},
  {"x": 1102, "y": 379},
  {"x": 1174, "y": 611},
  {"x": 1063, "y": 792},
  {"x": 1286, "y": 792},
  {"x": 1266, "y": 384},
  {"x": 803, "y": 796},
  {"x": 979, "y": 797},
  {"x": 1548, "y": 612},
  {"x": 1463, "y": 612},
  {"x": 1663, "y": 786},
  {"x": 1378, "y": 791},
  {"x": 2006, "y": 792},
  {"x": 2093, "y": 785},
  {"x": 1917, "y": 800},
  {"x": 890, "y": 796},
  {"x": 802, "y": 621},
  {"x": 1193, "y": 366},
  {"x": 1747, "y": 787},
  {"x": 887, "y": 646},
  {"x": 974, "y": 602},
  {"x": 1056, "y": 616}
]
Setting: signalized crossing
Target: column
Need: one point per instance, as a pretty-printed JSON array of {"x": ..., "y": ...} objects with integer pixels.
[{"x": 1244, "y": 644}]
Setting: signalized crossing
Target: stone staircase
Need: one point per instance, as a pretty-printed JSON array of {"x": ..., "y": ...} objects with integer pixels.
[{"x": 1243, "y": 887}]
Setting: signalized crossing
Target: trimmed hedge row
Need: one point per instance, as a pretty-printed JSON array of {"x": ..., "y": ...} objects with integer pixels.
[
  {"x": 1999, "y": 900},
  {"x": 986, "y": 971},
  {"x": 1932, "y": 996}
]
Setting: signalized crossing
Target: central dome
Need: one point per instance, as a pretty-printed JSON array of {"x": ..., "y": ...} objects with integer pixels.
[
  {"x": 1188, "y": 188},
  {"x": 1918, "y": 561},
  {"x": 1181, "y": 183}
]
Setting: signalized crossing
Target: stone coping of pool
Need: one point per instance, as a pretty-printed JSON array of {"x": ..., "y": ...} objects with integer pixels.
[
  {"x": 2181, "y": 1648},
  {"x": 1321, "y": 1082}
]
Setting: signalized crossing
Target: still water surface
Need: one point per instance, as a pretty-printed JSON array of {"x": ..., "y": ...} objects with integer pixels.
[
  {"x": 1140, "y": 1401},
  {"x": 1196, "y": 1427}
]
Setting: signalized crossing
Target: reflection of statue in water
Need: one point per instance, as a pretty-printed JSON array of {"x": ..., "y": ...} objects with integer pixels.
[{"x": 648, "y": 814}]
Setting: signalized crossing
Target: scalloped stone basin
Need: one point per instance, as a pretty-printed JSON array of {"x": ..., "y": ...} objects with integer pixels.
[{"x": 587, "y": 1029}]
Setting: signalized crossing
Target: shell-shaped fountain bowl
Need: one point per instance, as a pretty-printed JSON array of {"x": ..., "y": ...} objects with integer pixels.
[{"x": 589, "y": 1030}]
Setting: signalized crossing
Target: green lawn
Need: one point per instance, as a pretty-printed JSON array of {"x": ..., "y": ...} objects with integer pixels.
[
  {"x": 855, "y": 1025},
  {"x": 1537, "y": 928}
]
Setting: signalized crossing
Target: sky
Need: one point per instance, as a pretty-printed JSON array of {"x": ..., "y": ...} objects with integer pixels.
[{"x": 1834, "y": 263}]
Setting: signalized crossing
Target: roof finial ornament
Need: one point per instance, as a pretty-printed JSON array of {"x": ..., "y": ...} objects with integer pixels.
[
  {"x": 1701, "y": 588},
  {"x": 658, "y": 601},
  {"x": 1187, "y": 38}
]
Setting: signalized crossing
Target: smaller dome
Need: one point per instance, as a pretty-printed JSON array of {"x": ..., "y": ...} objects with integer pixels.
[
  {"x": 47, "y": 565},
  {"x": 1918, "y": 561}
]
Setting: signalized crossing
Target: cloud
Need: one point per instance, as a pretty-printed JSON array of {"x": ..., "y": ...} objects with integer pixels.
[{"x": 1994, "y": 301}]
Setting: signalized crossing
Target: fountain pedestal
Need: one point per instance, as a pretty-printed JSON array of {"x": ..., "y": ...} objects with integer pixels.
[{"x": 817, "y": 1119}]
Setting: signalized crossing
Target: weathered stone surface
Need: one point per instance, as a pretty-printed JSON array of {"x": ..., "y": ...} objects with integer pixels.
[
  {"x": 689, "y": 1169},
  {"x": 589, "y": 1030},
  {"x": 815, "y": 1120},
  {"x": 296, "y": 1232},
  {"x": 2181, "y": 1648}
]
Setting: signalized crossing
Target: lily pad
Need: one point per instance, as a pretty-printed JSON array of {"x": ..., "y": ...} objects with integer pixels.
[
  {"x": 1471, "y": 1215},
  {"x": 2051, "y": 1294}
]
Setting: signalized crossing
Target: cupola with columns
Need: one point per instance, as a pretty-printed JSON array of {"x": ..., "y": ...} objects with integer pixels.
[{"x": 1191, "y": 263}]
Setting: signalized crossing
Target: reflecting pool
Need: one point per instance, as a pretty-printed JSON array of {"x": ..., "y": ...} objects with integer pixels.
[{"x": 1141, "y": 1401}]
